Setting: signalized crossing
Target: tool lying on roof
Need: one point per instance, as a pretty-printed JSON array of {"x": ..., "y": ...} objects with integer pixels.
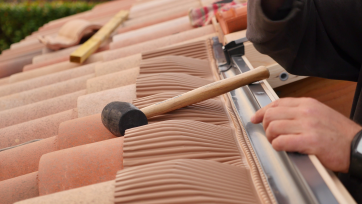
[
  {"x": 119, "y": 116},
  {"x": 89, "y": 47}
]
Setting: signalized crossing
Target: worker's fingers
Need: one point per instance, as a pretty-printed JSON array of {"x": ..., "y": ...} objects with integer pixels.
[
  {"x": 285, "y": 102},
  {"x": 282, "y": 127},
  {"x": 278, "y": 113},
  {"x": 291, "y": 143}
]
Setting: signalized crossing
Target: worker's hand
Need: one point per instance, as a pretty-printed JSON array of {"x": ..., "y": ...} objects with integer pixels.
[{"x": 307, "y": 126}]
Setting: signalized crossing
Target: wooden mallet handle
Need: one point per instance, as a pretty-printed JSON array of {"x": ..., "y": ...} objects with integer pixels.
[{"x": 206, "y": 92}]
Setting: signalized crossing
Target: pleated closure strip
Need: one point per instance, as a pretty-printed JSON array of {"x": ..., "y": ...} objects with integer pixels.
[
  {"x": 196, "y": 49},
  {"x": 185, "y": 181},
  {"x": 180, "y": 139},
  {"x": 210, "y": 111},
  {"x": 149, "y": 84},
  {"x": 177, "y": 64}
]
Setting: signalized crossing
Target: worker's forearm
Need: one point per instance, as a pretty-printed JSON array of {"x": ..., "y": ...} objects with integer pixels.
[{"x": 270, "y": 7}]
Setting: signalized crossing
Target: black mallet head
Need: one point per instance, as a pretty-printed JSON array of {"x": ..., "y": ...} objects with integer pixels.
[{"x": 117, "y": 117}]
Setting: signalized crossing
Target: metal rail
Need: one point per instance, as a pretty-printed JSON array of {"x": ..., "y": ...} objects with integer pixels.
[{"x": 291, "y": 176}]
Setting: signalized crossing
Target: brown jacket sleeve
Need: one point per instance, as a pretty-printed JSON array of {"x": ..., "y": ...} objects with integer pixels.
[{"x": 302, "y": 42}]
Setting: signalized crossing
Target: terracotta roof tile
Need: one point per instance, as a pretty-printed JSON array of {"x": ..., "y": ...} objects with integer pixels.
[
  {"x": 24, "y": 43},
  {"x": 35, "y": 129},
  {"x": 159, "y": 14},
  {"x": 24, "y": 159},
  {"x": 69, "y": 34},
  {"x": 43, "y": 93},
  {"x": 94, "y": 103},
  {"x": 53, "y": 55},
  {"x": 162, "y": 42},
  {"x": 80, "y": 166},
  {"x": 61, "y": 56},
  {"x": 4, "y": 81},
  {"x": 39, "y": 109},
  {"x": 151, "y": 32},
  {"x": 41, "y": 81},
  {"x": 147, "y": 7},
  {"x": 118, "y": 65},
  {"x": 81, "y": 131},
  {"x": 42, "y": 71},
  {"x": 24, "y": 50},
  {"x": 113, "y": 80},
  {"x": 45, "y": 63},
  {"x": 91, "y": 194},
  {"x": 19, "y": 188},
  {"x": 12, "y": 66}
]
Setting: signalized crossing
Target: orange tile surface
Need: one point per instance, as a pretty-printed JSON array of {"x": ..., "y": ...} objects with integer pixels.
[
  {"x": 39, "y": 109},
  {"x": 81, "y": 131},
  {"x": 45, "y": 63},
  {"x": 151, "y": 32},
  {"x": 35, "y": 129},
  {"x": 80, "y": 166},
  {"x": 12, "y": 88},
  {"x": 24, "y": 159},
  {"x": 19, "y": 188},
  {"x": 43, "y": 93}
]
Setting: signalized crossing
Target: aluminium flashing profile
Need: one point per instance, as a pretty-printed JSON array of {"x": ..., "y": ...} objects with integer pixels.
[
  {"x": 292, "y": 177},
  {"x": 306, "y": 180}
]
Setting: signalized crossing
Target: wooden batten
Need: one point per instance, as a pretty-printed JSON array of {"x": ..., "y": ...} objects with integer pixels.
[{"x": 89, "y": 47}]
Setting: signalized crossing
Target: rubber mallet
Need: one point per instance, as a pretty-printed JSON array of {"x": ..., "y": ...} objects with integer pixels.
[{"x": 117, "y": 117}]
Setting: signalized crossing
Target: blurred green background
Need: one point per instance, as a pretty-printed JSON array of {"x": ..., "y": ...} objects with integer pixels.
[{"x": 20, "y": 19}]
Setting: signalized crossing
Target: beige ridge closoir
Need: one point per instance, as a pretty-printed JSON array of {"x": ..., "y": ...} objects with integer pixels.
[
  {"x": 183, "y": 181},
  {"x": 210, "y": 111},
  {"x": 149, "y": 84}
]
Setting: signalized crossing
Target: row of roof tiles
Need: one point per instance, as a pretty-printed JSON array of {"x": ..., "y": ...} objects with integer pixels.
[{"x": 155, "y": 55}]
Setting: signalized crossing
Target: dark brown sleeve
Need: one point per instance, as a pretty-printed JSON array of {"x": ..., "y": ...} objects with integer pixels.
[{"x": 299, "y": 42}]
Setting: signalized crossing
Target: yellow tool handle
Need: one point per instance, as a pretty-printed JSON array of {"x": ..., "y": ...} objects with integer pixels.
[{"x": 206, "y": 92}]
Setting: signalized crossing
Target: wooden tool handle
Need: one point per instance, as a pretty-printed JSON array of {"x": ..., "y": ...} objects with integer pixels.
[{"x": 206, "y": 92}]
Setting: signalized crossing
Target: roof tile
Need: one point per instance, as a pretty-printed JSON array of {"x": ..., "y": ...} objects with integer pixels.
[
  {"x": 76, "y": 167},
  {"x": 39, "y": 109},
  {"x": 43, "y": 93},
  {"x": 19, "y": 188},
  {"x": 24, "y": 159},
  {"x": 35, "y": 129}
]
